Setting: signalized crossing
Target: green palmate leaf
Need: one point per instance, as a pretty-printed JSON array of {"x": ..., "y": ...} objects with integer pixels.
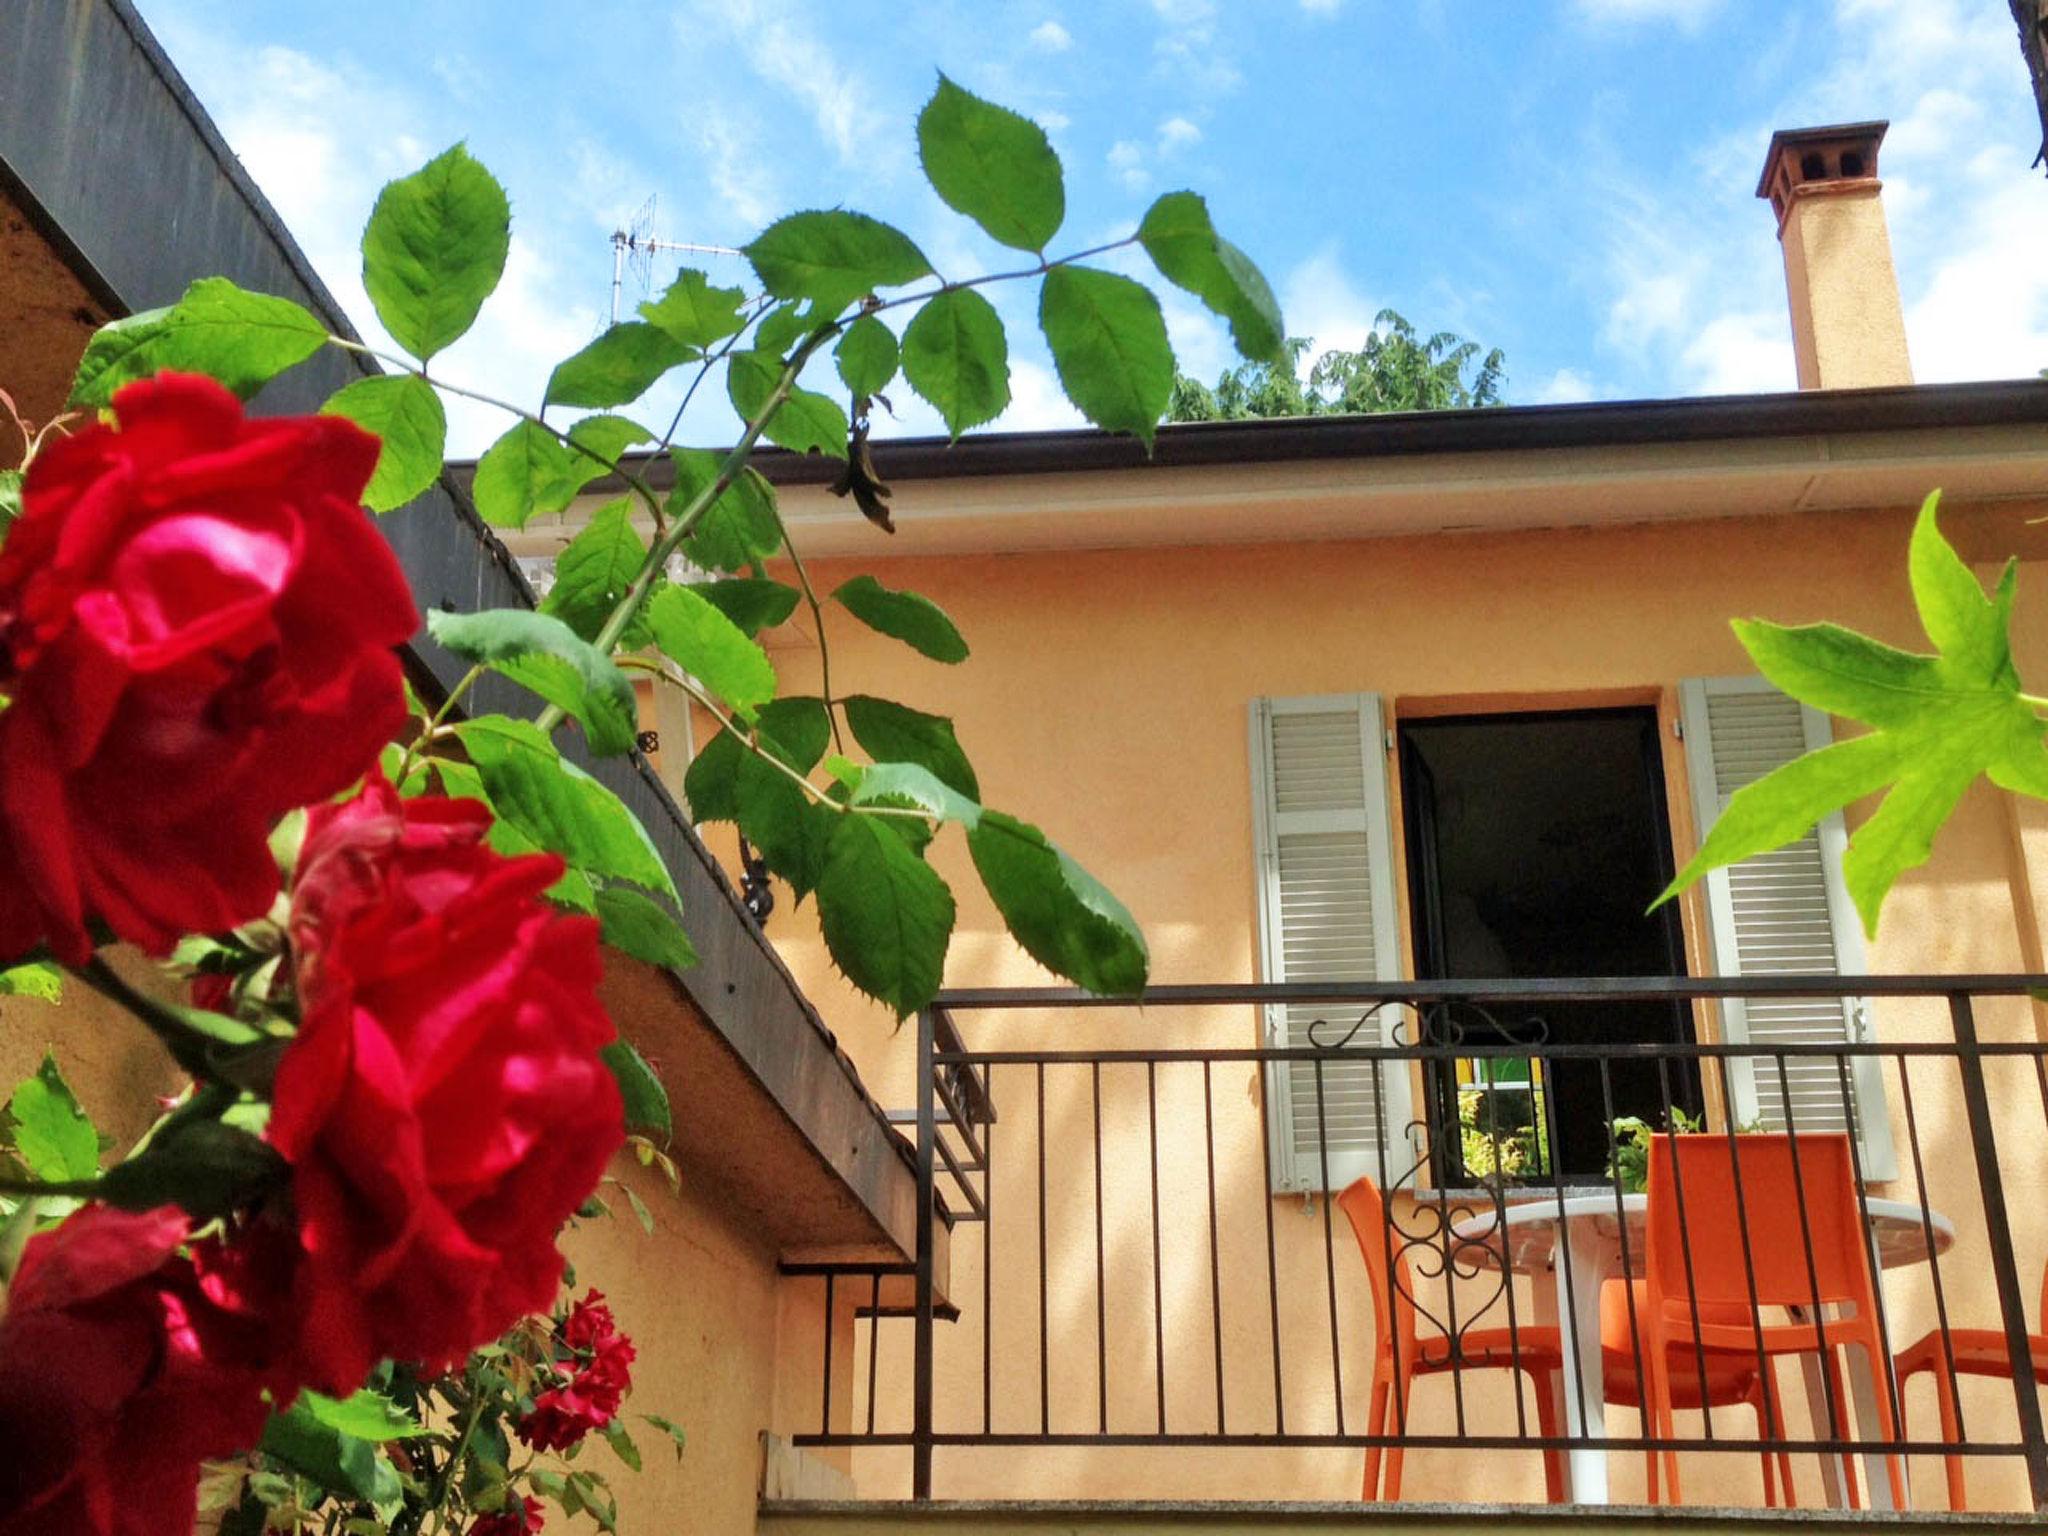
[
  {"x": 956, "y": 356},
  {"x": 894, "y": 733},
  {"x": 405, "y": 414},
  {"x": 434, "y": 249},
  {"x": 1109, "y": 344},
  {"x": 540, "y": 652},
  {"x": 594, "y": 571},
  {"x": 886, "y": 915},
  {"x": 560, "y": 806},
  {"x": 526, "y": 473},
  {"x": 362, "y": 1416},
  {"x": 462, "y": 782},
  {"x": 994, "y": 166},
  {"x": 243, "y": 339},
  {"x": 832, "y": 258},
  {"x": 805, "y": 422},
  {"x": 695, "y": 313},
  {"x": 1063, "y": 916},
  {"x": 907, "y": 616},
  {"x": 739, "y": 529},
  {"x": 620, "y": 366},
  {"x": 1185, "y": 247},
  {"x": 37, "y": 978},
  {"x": 796, "y": 730},
  {"x": 754, "y": 603},
  {"x": 643, "y": 928},
  {"x": 51, "y": 1134},
  {"x": 1937, "y": 723},
  {"x": 711, "y": 648},
  {"x": 342, "y": 1464},
  {"x": 647, "y": 1106},
  {"x": 866, "y": 356}
]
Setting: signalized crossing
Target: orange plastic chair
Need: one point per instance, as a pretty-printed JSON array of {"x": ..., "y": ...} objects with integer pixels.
[
  {"x": 1977, "y": 1352},
  {"x": 1732, "y": 1222},
  {"x": 1401, "y": 1354}
]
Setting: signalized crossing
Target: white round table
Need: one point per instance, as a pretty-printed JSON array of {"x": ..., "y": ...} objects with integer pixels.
[{"x": 1594, "y": 1245}]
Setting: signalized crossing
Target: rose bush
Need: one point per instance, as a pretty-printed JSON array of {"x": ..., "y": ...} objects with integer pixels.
[
  {"x": 122, "y": 1364},
  {"x": 196, "y": 632},
  {"x": 444, "y": 1107}
]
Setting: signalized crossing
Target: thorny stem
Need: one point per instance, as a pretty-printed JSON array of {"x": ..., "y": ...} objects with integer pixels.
[
  {"x": 448, "y": 1468},
  {"x": 429, "y": 730},
  {"x": 818, "y": 620},
  {"x": 77, "y": 1189}
]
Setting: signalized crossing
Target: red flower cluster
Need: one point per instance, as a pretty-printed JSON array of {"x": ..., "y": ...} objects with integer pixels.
[
  {"x": 122, "y": 1366},
  {"x": 196, "y": 632},
  {"x": 521, "y": 1520},
  {"x": 599, "y": 1376}
]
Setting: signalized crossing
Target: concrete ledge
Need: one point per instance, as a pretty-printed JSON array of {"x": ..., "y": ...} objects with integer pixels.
[{"x": 941, "y": 1517}]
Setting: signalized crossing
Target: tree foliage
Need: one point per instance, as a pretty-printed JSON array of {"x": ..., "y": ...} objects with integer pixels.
[{"x": 1397, "y": 369}]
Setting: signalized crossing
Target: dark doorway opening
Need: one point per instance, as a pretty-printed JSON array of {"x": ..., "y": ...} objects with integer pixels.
[{"x": 1534, "y": 844}]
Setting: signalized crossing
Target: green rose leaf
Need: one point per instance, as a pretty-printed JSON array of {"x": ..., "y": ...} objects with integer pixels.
[
  {"x": 594, "y": 571},
  {"x": 1185, "y": 247},
  {"x": 1109, "y": 345},
  {"x": 991, "y": 164},
  {"x": 866, "y": 356},
  {"x": 1064, "y": 917},
  {"x": 606, "y": 436},
  {"x": 711, "y": 648},
  {"x": 647, "y": 1106},
  {"x": 207, "y": 1167},
  {"x": 540, "y": 652},
  {"x": 956, "y": 356},
  {"x": 527, "y": 472},
  {"x": 619, "y": 367},
  {"x": 787, "y": 826},
  {"x": 739, "y": 529},
  {"x": 434, "y": 250},
  {"x": 341, "y": 1463},
  {"x": 405, "y": 415},
  {"x": 51, "y": 1134},
  {"x": 796, "y": 730},
  {"x": 39, "y": 979},
  {"x": 805, "y": 422},
  {"x": 908, "y": 784},
  {"x": 363, "y": 1415},
  {"x": 886, "y": 915},
  {"x": 832, "y": 258},
  {"x": 1937, "y": 721},
  {"x": 642, "y": 927},
  {"x": 558, "y": 805},
  {"x": 754, "y": 603},
  {"x": 240, "y": 338},
  {"x": 894, "y": 733},
  {"x": 462, "y": 782},
  {"x": 907, "y": 616},
  {"x": 780, "y": 328},
  {"x": 695, "y": 313},
  {"x": 668, "y": 1427},
  {"x": 10, "y": 497}
]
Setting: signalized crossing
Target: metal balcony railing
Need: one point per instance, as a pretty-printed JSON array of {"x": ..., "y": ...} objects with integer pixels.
[{"x": 1844, "y": 1229}]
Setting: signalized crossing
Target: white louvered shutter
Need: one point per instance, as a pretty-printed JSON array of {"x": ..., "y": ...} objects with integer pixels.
[
  {"x": 1786, "y": 912},
  {"x": 1326, "y": 913}
]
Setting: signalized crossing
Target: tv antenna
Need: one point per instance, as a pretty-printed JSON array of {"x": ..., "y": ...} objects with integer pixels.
[{"x": 635, "y": 247}]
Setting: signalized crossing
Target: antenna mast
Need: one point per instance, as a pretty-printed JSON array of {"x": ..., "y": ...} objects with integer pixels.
[{"x": 636, "y": 246}]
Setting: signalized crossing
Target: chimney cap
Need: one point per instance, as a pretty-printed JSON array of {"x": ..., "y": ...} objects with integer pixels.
[{"x": 1860, "y": 139}]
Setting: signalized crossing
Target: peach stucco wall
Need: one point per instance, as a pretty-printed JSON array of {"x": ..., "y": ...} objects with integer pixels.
[{"x": 1106, "y": 699}]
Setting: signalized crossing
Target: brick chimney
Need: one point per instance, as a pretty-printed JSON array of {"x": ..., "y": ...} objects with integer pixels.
[{"x": 1848, "y": 327}]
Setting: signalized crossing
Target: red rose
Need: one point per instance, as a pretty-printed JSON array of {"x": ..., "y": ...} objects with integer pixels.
[
  {"x": 600, "y": 1376},
  {"x": 196, "y": 624},
  {"x": 444, "y": 1107},
  {"x": 122, "y": 1366},
  {"x": 522, "y": 1519}
]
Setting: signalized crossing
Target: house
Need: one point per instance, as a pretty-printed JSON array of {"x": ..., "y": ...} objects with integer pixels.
[{"x": 1396, "y": 697}]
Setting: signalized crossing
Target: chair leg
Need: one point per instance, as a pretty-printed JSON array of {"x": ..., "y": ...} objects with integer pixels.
[
  {"x": 1775, "y": 1404},
  {"x": 1375, "y": 1424},
  {"x": 1546, "y": 1425},
  {"x": 1763, "y": 1432},
  {"x": 1658, "y": 1420},
  {"x": 1951, "y": 1432},
  {"x": 1879, "y": 1361},
  {"x": 1836, "y": 1390},
  {"x": 1390, "y": 1490}
]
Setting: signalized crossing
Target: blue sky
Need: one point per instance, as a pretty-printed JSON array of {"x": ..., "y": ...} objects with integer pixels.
[{"x": 1570, "y": 180}]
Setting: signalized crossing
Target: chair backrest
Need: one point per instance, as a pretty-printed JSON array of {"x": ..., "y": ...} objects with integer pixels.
[
  {"x": 1382, "y": 1249},
  {"x": 1765, "y": 1220}
]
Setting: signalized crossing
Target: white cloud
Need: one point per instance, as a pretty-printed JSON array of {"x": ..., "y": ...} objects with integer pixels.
[
  {"x": 1320, "y": 303},
  {"x": 1054, "y": 122},
  {"x": 1177, "y": 133},
  {"x": 1051, "y": 37},
  {"x": 738, "y": 172},
  {"x": 1321, "y": 7},
  {"x": 841, "y": 101},
  {"x": 1127, "y": 159},
  {"x": 1189, "y": 47},
  {"x": 1564, "y": 387},
  {"x": 1037, "y": 403},
  {"x": 1741, "y": 354}
]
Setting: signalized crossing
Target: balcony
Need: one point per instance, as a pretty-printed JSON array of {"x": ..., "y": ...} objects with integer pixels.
[{"x": 1155, "y": 1305}]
